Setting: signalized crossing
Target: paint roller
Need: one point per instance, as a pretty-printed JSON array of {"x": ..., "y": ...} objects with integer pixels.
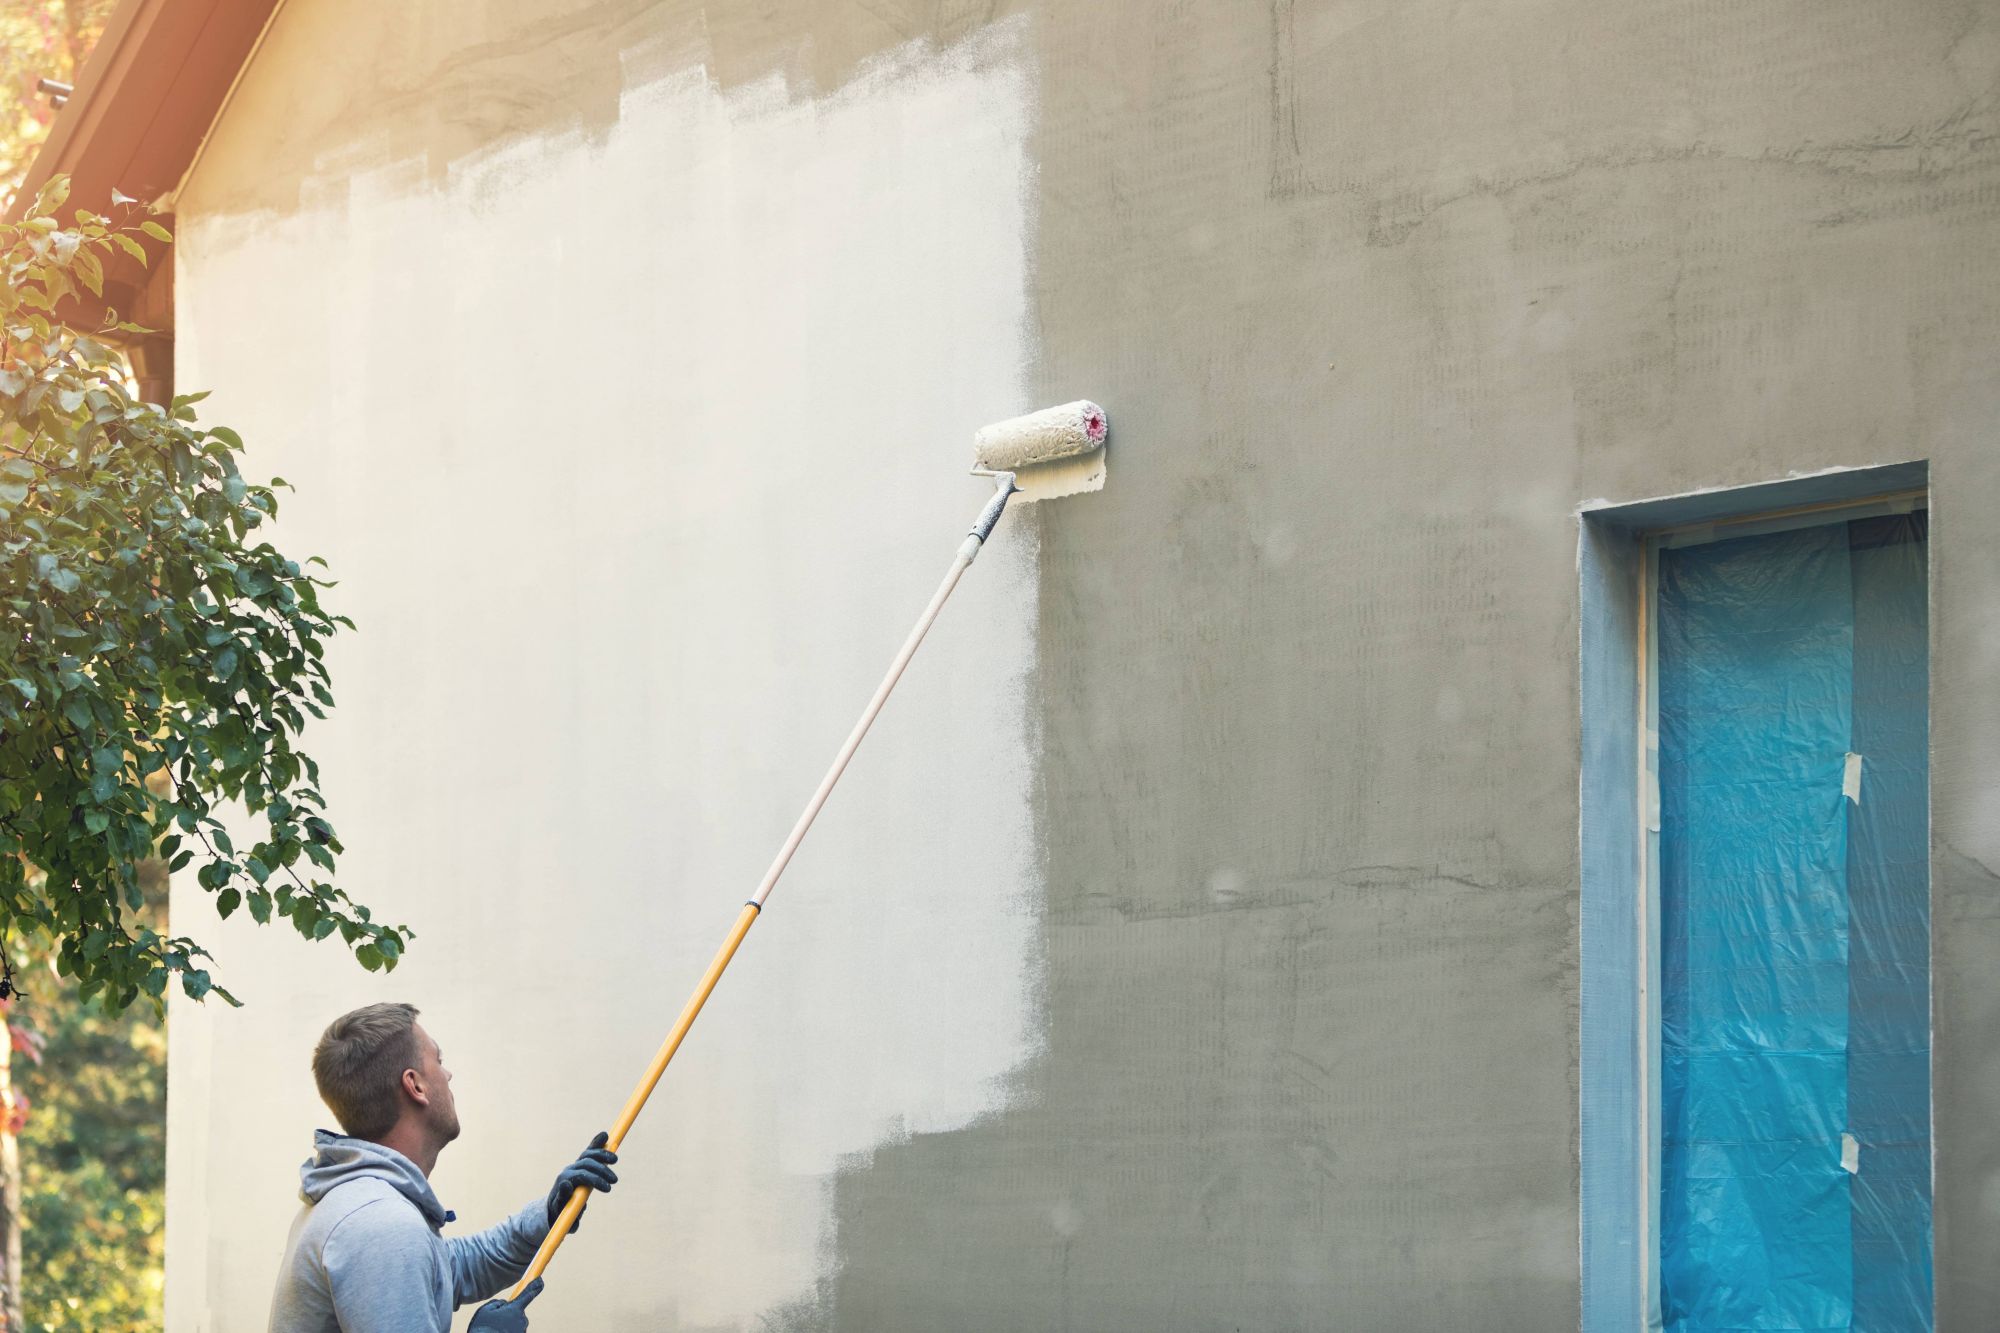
[
  {"x": 1056, "y": 451},
  {"x": 1039, "y": 438}
]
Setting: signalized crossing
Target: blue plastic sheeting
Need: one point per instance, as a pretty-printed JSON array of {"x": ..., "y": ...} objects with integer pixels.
[
  {"x": 1794, "y": 929},
  {"x": 1888, "y": 881}
]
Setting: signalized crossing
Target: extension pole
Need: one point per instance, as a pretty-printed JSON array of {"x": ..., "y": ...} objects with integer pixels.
[{"x": 967, "y": 552}]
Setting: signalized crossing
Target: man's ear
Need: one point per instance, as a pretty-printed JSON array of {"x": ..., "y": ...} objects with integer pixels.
[{"x": 413, "y": 1087}]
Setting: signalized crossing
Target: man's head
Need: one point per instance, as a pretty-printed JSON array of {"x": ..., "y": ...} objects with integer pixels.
[{"x": 382, "y": 1076}]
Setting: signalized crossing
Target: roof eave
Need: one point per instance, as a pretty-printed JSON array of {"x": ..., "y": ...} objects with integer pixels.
[{"x": 145, "y": 99}]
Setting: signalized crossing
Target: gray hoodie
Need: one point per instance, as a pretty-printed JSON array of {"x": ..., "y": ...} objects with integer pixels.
[{"x": 366, "y": 1254}]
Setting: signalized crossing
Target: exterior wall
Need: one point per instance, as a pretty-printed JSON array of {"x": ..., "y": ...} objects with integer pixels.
[
  {"x": 1197, "y": 945},
  {"x": 636, "y": 452}
]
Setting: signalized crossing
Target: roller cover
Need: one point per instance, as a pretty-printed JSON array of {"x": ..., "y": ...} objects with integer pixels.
[{"x": 1040, "y": 437}]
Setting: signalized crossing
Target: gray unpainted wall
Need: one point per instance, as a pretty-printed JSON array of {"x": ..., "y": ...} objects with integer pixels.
[{"x": 1379, "y": 292}]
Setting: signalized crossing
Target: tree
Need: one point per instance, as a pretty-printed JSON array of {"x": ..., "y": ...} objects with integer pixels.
[
  {"x": 39, "y": 39},
  {"x": 158, "y": 659},
  {"x": 81, "y": 1084},
  {"x": 92, "y": 1152}
]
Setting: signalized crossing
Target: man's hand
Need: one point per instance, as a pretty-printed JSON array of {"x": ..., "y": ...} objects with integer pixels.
[
  {"x": 593, "y": 1168},
  {"x": 505, "y": 1316}
]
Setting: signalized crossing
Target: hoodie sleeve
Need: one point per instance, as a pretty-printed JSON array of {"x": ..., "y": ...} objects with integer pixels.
[
  {"x": 486, "y": 1261},
  {"x": 382, "y": 1272}
]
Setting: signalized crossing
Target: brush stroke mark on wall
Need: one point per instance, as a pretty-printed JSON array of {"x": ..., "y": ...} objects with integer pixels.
[{"x": 427, "y": 86}]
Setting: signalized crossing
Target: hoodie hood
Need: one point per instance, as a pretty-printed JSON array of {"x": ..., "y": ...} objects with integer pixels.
[{"x": 338, "y": 1159}]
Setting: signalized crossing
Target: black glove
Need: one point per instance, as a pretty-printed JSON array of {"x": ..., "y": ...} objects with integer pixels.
[
  {"x": 505, "y": 1316},
  {"x": 593, "y": 1168}
]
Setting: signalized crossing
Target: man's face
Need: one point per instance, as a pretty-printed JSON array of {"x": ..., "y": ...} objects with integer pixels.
[{"x": 442, "y": 1114}]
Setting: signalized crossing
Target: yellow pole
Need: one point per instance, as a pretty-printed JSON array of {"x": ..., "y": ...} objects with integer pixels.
[{"x": 637, "y": 1101}]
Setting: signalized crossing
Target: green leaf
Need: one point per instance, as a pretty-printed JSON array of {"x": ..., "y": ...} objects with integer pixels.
[
  {"x": 196, "y": 983},
  {"x": 92, "y": 272},
  {"x": 369, "y": 957},
  {"x": 147, "y": 634}
]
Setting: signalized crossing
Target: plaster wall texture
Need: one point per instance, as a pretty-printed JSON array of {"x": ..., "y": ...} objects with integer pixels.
[{"x": 1278, "y": 969}]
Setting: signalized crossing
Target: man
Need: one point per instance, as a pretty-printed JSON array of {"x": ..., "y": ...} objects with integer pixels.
[{"x": 367, "y": 1254}]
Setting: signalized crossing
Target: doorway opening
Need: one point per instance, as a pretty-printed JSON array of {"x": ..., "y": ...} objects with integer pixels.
[
  {"x": 1791, "y": 697},
  {"x": 1755, "y": 991}
]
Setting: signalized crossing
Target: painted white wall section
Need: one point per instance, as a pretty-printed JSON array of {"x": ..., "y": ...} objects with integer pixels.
[{"x": 635, "y": 456}]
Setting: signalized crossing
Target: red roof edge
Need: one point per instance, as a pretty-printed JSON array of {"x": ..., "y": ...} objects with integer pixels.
[
  {"x": 145, "y": 99},
  {"x": 144, "y": 102}
]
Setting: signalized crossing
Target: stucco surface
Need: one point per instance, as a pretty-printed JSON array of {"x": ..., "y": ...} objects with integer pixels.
[
  {"x": 1414, "y": 281},
  {"x": 1283, "y": 996}
]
